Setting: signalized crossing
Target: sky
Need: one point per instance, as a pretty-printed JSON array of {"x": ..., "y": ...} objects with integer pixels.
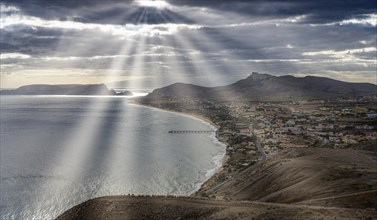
[{"x": 149, "y": 44}]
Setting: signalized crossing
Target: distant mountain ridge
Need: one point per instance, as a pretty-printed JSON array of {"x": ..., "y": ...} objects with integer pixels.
[
  {"x": 70, "y": 89},
  {"x": 264, "y": 87}
]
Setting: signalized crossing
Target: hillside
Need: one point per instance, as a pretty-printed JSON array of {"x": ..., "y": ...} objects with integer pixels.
[
  {"x": 316, "y": 183},
  {"x": 126, "y": 207},
  {"x": 97, "y": 89},
  {"x": 264, "y": 87},
  {"x": 320, "y": 176}
]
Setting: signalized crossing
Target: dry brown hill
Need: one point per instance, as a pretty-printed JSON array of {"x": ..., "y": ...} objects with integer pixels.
[
  {"x": 316, "y": 183},
  {"x": 123, "y": 207},
  {"x": 320, "y": 176}
]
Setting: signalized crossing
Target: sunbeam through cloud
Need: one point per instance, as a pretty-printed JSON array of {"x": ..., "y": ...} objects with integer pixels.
[{"x": 175, "y": 109}]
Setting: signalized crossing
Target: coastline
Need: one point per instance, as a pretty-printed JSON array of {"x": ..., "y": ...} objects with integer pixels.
[
  {"x": 224, "y": 158},
  {"x": 193, "y": 115},
  {"x": 261, "y": 182}
]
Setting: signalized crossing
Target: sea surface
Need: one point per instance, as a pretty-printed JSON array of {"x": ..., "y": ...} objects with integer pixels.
[{"x": 59, "y": 151}]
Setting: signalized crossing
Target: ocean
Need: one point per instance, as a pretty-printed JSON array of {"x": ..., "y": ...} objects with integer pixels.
[{"x": 59, "y": 151}]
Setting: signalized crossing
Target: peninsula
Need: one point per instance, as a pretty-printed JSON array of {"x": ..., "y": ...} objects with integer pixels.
[{"x": 69, "y": 89}]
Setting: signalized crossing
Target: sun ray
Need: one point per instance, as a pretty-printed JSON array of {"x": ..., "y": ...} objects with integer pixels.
[
  {"x": 208, "y": 43},
  {"x": 86, "y": 140},
  {"x": 135, "y": 69},
  {"x": 79, "y": 148},
  {"x": 153, "y": 3},
  {"x": 195, "y": 37}
]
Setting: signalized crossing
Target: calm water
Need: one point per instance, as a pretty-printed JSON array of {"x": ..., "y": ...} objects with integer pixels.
[{"x": 57, "y": 152}]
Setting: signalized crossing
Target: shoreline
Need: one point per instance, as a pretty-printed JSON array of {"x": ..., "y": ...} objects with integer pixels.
[
  {"x": 224, "y": 157},
  {"x": 193, "y": 115},
  {"x": 236, "y": 182}
]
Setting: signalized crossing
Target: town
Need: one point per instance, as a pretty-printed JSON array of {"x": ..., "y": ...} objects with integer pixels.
[{"x": 340, "y": 123}]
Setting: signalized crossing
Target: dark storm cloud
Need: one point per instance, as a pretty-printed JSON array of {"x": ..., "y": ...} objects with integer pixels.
[
  {"x": 28, "y": 40},
  {"x": 95, "y": 11},
  {"x": 318, "y": 11},
  {"x": 45, "y": 41}
]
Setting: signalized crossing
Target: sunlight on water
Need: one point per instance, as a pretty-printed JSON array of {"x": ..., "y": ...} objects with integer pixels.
[{"x": 131, "y": 154}]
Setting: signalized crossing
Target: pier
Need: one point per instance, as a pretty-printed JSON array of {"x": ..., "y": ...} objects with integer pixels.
[{"x": 189, "y": 132}]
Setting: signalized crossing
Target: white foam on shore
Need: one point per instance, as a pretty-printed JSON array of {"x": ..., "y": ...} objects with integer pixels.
[{"x": 217, "y": 160}]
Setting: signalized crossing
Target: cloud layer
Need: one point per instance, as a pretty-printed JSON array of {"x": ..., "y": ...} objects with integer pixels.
[{"x": 154, "y": 43}]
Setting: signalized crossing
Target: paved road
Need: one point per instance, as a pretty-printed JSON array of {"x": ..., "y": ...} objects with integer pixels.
[{"x": 260, "y": 148}]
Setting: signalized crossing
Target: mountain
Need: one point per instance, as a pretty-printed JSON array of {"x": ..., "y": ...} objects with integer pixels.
[
  {"x": 72, "y": 89},
  {"x": 179, "y": 90},
  {"x": 264, "y": 87}
]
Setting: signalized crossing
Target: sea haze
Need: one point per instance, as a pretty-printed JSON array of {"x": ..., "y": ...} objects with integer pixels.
[{"x": 57, "y": 152}]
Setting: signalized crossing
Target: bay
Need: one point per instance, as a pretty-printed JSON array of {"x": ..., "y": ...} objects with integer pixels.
[{"x": 59, "y": 151}]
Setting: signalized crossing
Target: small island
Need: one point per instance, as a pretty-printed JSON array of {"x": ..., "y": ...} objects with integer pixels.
[{"x": 125, "y": 93}]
